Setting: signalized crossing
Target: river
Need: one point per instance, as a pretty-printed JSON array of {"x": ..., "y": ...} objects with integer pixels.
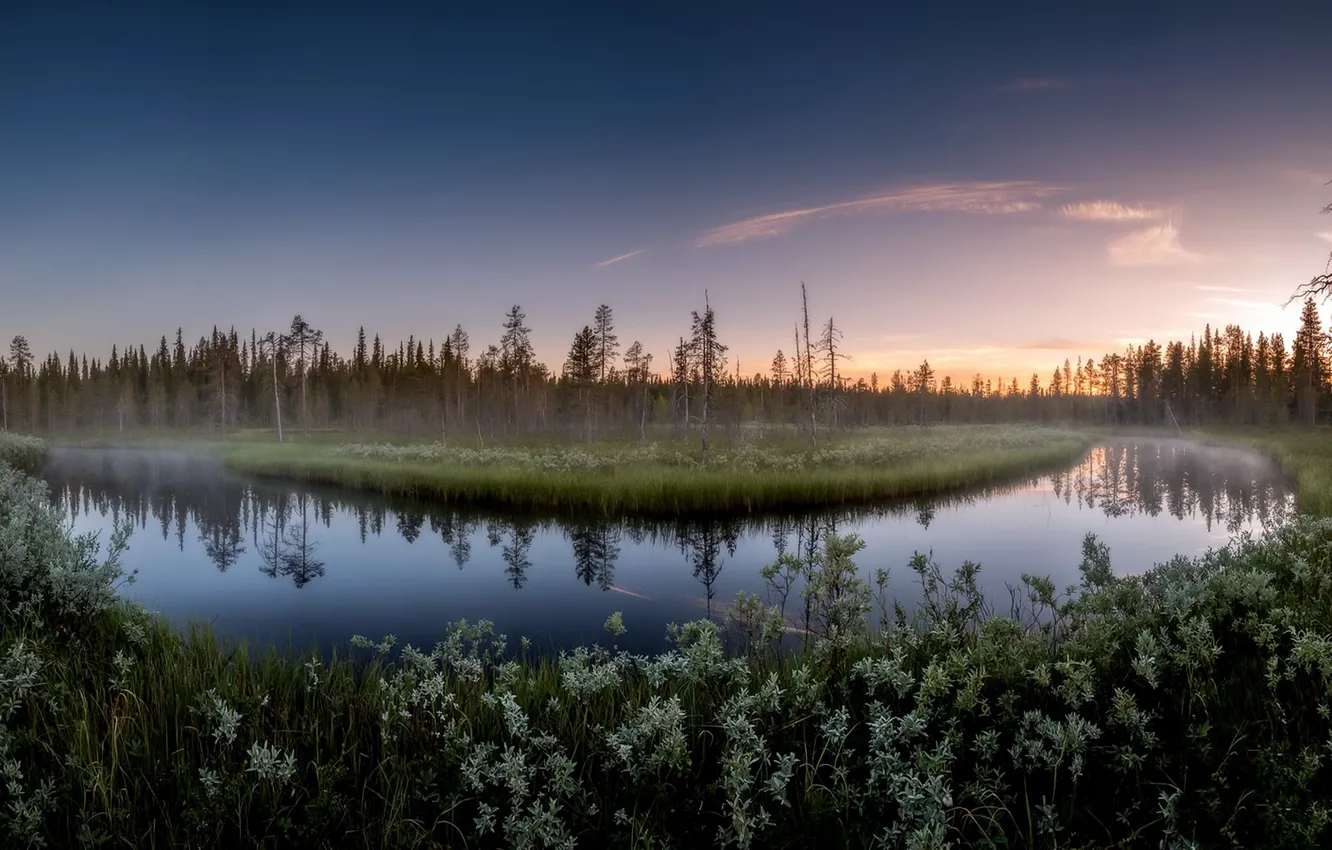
[{"x": 308, "y": 567}]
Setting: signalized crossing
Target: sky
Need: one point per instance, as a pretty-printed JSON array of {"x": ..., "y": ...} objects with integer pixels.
[{"x": 994, "y": 189}]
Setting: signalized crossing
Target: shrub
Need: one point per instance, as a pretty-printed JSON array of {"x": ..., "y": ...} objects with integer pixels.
[
  {"x": 1185, "y": 706},
  {"x": 22, "y": 452}
]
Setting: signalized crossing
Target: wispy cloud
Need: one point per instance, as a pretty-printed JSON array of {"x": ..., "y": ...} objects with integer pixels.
[
  {"x": 1306, "y": 177},
  {"x": 989, "y": 198},
  {"x": 1207, "y": 287},
  {"x": 613, "y": 260},
  {"x": 1268, "y": 314},
  {"x": 1053, "y": 344},
  {"x": 1109, "y": 211},
  {"x": 1152, "y": 246},
  {"x": 978, "y": 357},
  {"x": 1025, "y": 85},
  {"x": 1326, "y": 236}
]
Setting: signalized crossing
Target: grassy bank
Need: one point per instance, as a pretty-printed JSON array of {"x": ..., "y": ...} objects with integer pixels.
[
  {"x": 1185, "y": 706},
  {"x": 1305, "y": 453},
  {"x": 668, "y": 478},
  {"x": 22, "y": 452}
]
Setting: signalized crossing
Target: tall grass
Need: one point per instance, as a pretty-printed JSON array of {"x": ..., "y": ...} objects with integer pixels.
[
  {"x": 1185, "y": 706},
  {"x": 666, "y": 479},
  {"x": 22, "y": 452}
]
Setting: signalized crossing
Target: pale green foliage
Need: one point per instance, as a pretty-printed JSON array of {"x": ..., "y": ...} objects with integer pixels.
[
  {"x": 837, "y": 597},
  {"x": 1185, "y": 706},
  {"x": 270, "y": 764},
  {"x": 21, "y": 451},
  {"x": 757, "y": 623},
  {"x": 222, "y": 720}
]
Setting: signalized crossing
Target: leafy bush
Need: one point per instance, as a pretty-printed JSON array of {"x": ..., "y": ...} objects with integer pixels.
[
  {"x": 21, "y": 452},
  {"x": 1185, "y": 706}
]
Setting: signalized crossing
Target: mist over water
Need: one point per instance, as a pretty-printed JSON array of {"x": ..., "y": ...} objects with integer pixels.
[{"x": 310, "y": 566}]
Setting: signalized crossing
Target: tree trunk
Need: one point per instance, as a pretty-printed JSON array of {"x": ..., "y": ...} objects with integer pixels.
[{"x": 277, "y": 399}]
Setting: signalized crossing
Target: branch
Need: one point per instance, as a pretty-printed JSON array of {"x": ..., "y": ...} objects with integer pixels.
[{"x": 1320, "y": 287}]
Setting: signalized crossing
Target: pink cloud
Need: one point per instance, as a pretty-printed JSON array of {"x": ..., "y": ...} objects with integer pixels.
[
  {"x": 1024, "y": 85},
  {"x": 622, "y": 257},
  {"x": 1153, "y": 246},
  {"x": 987, "y": 198},
  {"x": 1109, "y": 211}
]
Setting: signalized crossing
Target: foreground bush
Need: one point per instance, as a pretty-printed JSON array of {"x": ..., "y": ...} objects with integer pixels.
[
  {"x": 1187, "y": 706},
  {"x": 21, "y": 451}
]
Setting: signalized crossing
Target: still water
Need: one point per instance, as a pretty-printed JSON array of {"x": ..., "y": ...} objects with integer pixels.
[{"x": 307, "y": 567}]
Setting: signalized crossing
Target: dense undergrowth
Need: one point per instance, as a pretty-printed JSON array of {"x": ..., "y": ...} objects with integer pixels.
[
  {"x": 667, "y": 478},
  {"x": 1185, "y": 706},
  {"x": 22, "y": 452}
]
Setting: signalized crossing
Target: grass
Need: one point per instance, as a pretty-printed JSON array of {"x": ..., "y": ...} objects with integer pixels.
[
  {"x": 667, "y": 478},
  {"x": 1185, "y": 706}
]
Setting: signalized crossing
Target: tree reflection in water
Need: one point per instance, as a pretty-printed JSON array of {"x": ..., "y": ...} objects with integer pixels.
[
  {"x": 174, "y": 491},
  {"x": 1179, "y": 478}
]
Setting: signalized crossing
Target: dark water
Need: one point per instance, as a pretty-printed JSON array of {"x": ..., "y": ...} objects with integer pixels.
[{"x": 276, "y": 562}]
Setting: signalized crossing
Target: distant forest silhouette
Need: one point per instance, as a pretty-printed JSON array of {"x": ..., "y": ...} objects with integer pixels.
[{"x": 295, "y": 380}]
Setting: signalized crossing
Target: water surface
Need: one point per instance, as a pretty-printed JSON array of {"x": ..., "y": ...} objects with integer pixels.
[{"x": 304, "y": 566}]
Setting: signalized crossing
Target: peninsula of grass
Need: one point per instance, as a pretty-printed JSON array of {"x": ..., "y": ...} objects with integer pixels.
[{"x": 667, "y": 478}]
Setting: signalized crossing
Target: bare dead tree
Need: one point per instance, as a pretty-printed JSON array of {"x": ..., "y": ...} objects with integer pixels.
[
  {"x": 1319, "y": 287},
  {"x": 808, "y": 366},
  {"x": 274, "y": 342}
]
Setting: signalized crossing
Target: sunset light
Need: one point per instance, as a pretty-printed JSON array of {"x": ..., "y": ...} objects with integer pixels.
[{"x": 643, "y": 424}]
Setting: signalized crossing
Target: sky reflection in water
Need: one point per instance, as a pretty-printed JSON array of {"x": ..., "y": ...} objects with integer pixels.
[{"x": 308, "y": 566}]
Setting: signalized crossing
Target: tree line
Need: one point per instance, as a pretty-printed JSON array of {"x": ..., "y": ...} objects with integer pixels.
[{"x": 293, "y": 379}]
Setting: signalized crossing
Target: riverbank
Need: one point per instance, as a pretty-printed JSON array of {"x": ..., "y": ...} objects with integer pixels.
[
  {"x": 1305, "y": 453},
  {"x": 1183, "y": 705},
  {"x": 668, "y": 478}
]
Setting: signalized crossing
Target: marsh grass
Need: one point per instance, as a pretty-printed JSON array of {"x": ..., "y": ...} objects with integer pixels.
[
  {"x": 669, "y": 478},
  {"x": 1183, "y": 707}
]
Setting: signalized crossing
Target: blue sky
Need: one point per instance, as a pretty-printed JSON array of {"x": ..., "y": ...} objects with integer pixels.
[{"x": 996, "y": 189}]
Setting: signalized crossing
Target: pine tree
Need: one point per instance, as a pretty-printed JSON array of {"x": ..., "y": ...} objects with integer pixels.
[
  {"x": 710, "y": 356},
  {"x": 681, "y": 369},
  {"x": 1309, "y": 366},
  {"x": 608, "y": 344},
  {"x": 581, "y": 369},
  {"x": 304, "y": 341},
  {"x": 779, "y": 372},
  {"x": 516, "y": 356}
]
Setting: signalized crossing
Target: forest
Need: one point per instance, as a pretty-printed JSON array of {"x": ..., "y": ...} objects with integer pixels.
[{"x": 455, "y": 390}]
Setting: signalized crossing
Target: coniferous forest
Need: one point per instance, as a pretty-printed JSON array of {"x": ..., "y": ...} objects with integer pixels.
[{"x": 454, "y": 388}]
